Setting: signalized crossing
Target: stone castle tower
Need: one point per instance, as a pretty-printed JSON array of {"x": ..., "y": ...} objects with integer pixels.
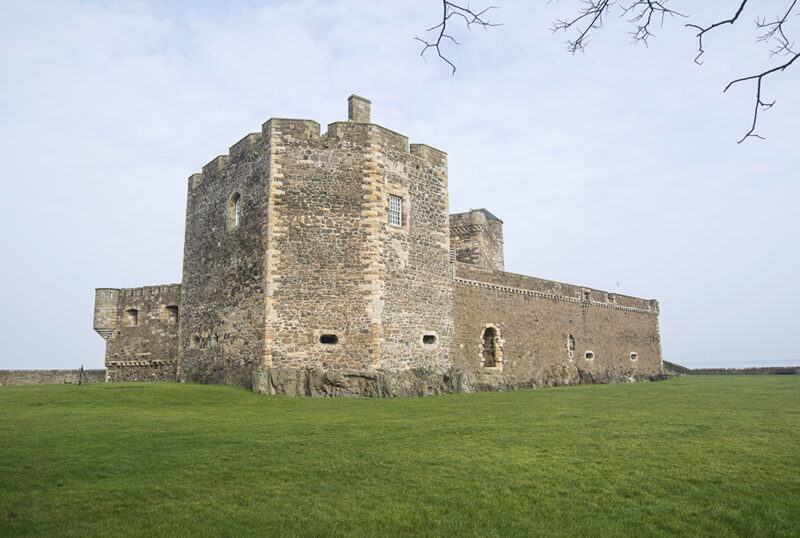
[{"x": 331, "y": 261}]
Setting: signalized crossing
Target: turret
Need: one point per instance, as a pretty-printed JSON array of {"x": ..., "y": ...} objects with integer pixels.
[
  {"x": 477, "y": 238},
  {"x": 106, "y": 303}
]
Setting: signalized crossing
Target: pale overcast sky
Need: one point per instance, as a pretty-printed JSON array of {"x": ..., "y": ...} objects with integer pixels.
[{"x": 617, "y": 169}]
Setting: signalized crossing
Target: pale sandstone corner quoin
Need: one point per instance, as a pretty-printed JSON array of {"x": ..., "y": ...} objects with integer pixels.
[{"x": 329, "y": 265}]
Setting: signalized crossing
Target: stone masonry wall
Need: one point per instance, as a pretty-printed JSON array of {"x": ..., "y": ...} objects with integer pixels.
[
  {"x": 477, "y": 238},
  {"x": 50, "y": 377},
  {"x": 417, "y": 313},
  {"x": 346, "y": 289},
  {"x": 545, "y": 330},
  {"x": 140, "y": 326},
  {"x": 222, "y": 334}
]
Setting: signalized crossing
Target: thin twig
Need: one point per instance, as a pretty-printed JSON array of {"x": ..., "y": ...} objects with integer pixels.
[{"x": 450, "y": 10}]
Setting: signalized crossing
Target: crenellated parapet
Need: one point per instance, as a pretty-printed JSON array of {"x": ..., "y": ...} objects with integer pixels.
[{"x": 140, "y": 326}]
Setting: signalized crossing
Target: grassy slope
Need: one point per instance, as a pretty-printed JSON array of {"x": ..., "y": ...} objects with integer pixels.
[{"x": 710, "y": 455}]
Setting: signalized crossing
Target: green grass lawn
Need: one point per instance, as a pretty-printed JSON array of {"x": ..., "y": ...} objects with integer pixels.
[{"x": 711, "y": 455}]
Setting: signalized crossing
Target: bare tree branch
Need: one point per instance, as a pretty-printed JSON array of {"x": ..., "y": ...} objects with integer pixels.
[
  {"x": 760, "y": 105},
  {"x": 703, "y": 30},
  {"x": 450, "y": 10},
  {"x": 642, "y": 14},
  {"x": 773, "y": 32}
]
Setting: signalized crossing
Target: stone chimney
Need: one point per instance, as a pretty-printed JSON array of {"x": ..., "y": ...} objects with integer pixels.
[{"x": 358, "y": 109}]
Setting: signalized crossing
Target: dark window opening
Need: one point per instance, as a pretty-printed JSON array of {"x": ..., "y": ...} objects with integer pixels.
[
  {"x": 131, "y": 317},
  {"x": 490, "y": 347},
  {"x": 234, "y": 210},
  {"x": 172, "y": 314},
  {"x": 612, "y": 298},
  {"x": 570, "y": 343},
  {"x": 587, "y": 295},
  {"x": 429, "y": 339},
  {"x": 634, "y": 356},
  {"x": 328, "y": 339},
  {"x": 589, "y": 355}
]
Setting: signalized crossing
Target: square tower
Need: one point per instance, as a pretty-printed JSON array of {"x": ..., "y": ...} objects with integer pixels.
[{"x": 317, "y": 251}]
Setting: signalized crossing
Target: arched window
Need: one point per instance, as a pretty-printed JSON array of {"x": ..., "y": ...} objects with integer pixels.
[
  {"x": 235, "y": 210},
  {"x": 131, "y": 317},
  {"x": 490, "y": 355}
]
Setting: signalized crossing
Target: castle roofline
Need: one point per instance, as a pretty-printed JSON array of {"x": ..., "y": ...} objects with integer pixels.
[{"x": 487, "y": 214}]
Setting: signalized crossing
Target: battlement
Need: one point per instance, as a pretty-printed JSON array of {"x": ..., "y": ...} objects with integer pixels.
[
  {"x": 245, "y": 146},
  {"x": 146, "y": 291},
  {"x": 291, "y": 128},
  {"x": 434, "y": 157},
  {"x": 357, "y": 129}
]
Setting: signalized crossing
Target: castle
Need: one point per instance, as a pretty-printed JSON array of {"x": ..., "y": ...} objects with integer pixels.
[{"x": 329, "y": 265}]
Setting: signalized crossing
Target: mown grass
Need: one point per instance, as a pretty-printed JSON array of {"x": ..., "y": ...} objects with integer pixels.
[{"x": 691, "y": 456}]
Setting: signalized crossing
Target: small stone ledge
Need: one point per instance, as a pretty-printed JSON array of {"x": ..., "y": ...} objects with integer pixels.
[{"x": 153, "y": 362}]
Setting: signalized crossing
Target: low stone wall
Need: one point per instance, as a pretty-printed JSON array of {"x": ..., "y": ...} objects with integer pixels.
[
  {"x": 410, "y": 383},
  {"x": 676, "y": 369},
  {"x": 766, "y": 370},
  {"x": 50, "y": 377}
]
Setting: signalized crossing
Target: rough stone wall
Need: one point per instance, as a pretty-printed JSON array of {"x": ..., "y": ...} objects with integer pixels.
[
  {"x": 477, "y": 238},
  {"x": 50, "y": 377},
  {"x": 417, "y": 311},
  {"x": 337, "y": 269},
  {"x": 545, "y": 329},
  {"x": 140, "y": 326},
  {"x": 222, "y": 334}
]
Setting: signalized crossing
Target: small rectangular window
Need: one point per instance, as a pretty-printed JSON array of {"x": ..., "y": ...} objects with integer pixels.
[
  {"x": 395, "y": 210},
  {"x": 328, "y": 339}
]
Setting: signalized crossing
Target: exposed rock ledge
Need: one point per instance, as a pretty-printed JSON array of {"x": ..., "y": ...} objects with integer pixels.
[{"x": 419, "y": 382}]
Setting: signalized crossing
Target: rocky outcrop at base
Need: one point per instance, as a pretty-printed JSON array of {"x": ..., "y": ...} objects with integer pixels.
[{"x": 418, "y": 382}]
